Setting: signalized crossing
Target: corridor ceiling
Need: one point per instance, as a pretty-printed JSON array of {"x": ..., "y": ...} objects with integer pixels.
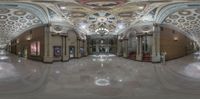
[{"x": 93, "y": 17}]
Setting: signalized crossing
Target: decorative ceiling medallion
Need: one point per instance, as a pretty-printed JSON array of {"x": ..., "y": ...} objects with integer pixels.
[
  {"x": 58, "y": 28},
  {"x": 174, "y": 16},
  {"x": 190, "y": 18},
  {"x": 18, "y": 24},
  {"x": 102, "y": 3},
  {"x": 175, "y": 23},
  {"x": 184, "y": 12},
  {"x": 36, "y": 21},
  {"x": 23, "y": 20},
  {"x": 20, "y": 13},
  {"x": 11, "y": 22},
  {"x": 29, "y": 23},
  {"x": 2, "y": 22},
  {"x": 14, "y": 27},
  {"x": 24, "y": 26},
  {"x": 4, "y": 11},
  {"x": 197, "y": 11},
  {"x": 193, "y": 22},
  {"x": 196, "y": 26},
  {"x": 168, "y": 21},
  {"x": 126, "y": 14},
  {"x": 78, "y": 14},
  {"x": 30, "y": 17},
  {"x": 181, "y": 20},
  {"x": 179, "y": 26},
  {"x": 198, "y": 17},
  {"x": 146, "y": 28},
  {"x": 3, "y": 17},
  {"x": 13, "y": 18}
]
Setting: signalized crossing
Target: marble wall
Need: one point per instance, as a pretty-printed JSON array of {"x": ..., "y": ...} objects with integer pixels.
[
  {"x": 21, "y": 45},
  {"x": 53, "y": 47},
  {"x": 175, "y": 44}
]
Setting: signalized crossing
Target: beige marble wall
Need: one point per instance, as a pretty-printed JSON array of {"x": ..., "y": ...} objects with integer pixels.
[
  {"x": 65, "y": 41},
  {"x": 21, "y": 44},
  {"x": 175, "y": 48}
]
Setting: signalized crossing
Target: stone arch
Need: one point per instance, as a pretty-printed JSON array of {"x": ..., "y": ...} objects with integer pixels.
[
  {"x": 183, "y": 17},
  {"x": 16, "y": 18}
]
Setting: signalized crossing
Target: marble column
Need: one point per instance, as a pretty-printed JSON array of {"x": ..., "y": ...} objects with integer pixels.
[
  {"x": 125, "y": 48},
  {"x": 119, "y": 47},
  {"x": 97, "y": 47},
  {"x": 85, "y": 48},
  {"x": 145, "y": 43},
  {"x": 78, "y": 48},
  {"x": 65, "y": 49},
  {"x": 156, "y": 44},
  {"x": 139, "y": 49},
  {"x": 48, "y": 49}
]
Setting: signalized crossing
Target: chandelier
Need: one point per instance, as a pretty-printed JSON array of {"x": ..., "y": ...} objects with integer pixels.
[{"x": 102, "y": 31}]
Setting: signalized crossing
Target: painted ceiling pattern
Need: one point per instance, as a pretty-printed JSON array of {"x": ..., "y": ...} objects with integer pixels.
[
  {"x": 97, "y": 17},
  {"x": 102, "y": 4},
  {"x": 14, "y": 21},
  {"x": 187, "y": 21},
  {"x": 91, "y": 21}
]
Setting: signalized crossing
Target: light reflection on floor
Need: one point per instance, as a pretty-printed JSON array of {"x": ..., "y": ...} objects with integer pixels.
[
  {"x": 193, "y": 70},
  {"x": 103, "y": 79},
  {"x": 7, "y": 71},
  {"x": 102, "y": 82},
  {"x": 114, "y": 77},
  {"x": 197, "y": 55},
  {"x": 3, "y": 58}
]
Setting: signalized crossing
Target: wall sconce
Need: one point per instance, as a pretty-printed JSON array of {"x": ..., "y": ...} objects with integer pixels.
[
  {"x": 175, "y": 38},
  {"x": 28, "y": 38},
  {"x": 17, "y": 41}
]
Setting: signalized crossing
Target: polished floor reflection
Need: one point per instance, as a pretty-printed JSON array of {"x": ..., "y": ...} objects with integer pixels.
[{"x": 100, "y": 77}]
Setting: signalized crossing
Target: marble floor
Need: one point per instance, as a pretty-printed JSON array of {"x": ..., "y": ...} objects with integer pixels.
[{"x": 100, "y": 77}]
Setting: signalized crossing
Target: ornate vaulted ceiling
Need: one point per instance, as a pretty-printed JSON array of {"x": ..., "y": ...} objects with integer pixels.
[
  {"x": 187, "y": 21},
  {"x": 92, "y": 17},
  {"x": 17, "y": 18}
]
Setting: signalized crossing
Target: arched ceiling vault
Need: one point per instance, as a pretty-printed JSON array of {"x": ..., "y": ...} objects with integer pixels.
[
  {"x": 115, "y": 20},
  {"x": 184, "y": 17},
  {"x": 120, "y": 16},
  {"x": 15, "y": 18}
]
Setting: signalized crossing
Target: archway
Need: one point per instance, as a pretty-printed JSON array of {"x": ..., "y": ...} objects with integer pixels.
[
  {"x": 183, "y": 17},
  {"x": 16, "y": 18}
]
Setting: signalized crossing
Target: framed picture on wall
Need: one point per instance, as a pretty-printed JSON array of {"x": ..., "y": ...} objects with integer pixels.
[
  {"x": 57, "y": 51},
  {"x": 35, "y": 48}
]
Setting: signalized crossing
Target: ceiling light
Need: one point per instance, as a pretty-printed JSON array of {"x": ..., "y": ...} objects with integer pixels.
[
  {"x": 83, "y": 26},
  {"x": 147, "y": 18},
  {"x": 63, "y": 7},
  {"x": 141, "y": 7}
]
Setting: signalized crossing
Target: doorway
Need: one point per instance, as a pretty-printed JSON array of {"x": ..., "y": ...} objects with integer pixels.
[{"x": 71, "y": 52}]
